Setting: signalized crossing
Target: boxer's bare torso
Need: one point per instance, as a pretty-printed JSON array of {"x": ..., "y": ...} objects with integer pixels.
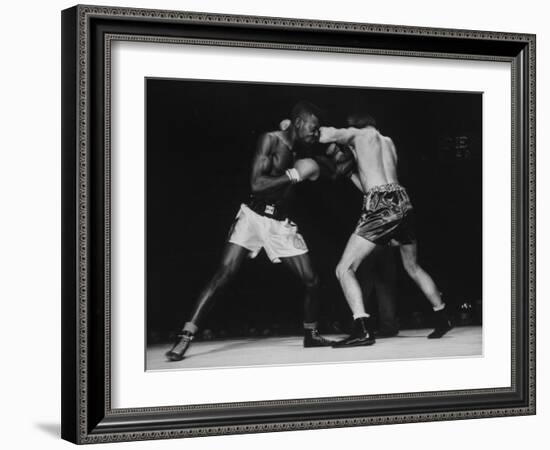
[
  {"x": 375, "y": 154},
  {"x": 273, "y": 157}
]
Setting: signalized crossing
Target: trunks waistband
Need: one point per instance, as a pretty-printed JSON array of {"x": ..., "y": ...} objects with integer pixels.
[
  {"x": 266, "y": 208},
  {"x": 390, "y": 187}
]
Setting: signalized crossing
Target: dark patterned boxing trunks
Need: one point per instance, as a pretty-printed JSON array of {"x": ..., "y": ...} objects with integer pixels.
[{"x": 387, "y": 216}]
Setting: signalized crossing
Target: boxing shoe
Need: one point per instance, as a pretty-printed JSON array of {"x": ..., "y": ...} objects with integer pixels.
[
  {"x": 442, "y": 324},
  {"x": 361, "y": 334},
  {"x": 312, "y": 338},
  {"x": 177, "y": 352}
]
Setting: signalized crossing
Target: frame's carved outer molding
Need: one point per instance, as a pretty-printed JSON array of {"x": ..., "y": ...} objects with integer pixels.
[
  {"x": 305, "y": 24},
  {"x": 84, "y": 14}
]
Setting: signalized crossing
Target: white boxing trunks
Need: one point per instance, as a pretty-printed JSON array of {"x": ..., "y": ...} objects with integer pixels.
[{"x": 279, "y": 238}]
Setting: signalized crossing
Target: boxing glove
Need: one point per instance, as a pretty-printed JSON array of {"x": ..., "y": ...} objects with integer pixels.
[
  {"x": 339, "y": 153},
  {"x": 307, "y": 169}
]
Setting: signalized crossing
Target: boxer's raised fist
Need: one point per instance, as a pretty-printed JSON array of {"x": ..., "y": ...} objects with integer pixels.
[
  {"x": 332, "y": 149},
  {"x": 339, "y": 153}
]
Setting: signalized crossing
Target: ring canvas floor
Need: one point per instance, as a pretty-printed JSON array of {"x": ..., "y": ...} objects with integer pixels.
[{"x": 262, "y": 351}]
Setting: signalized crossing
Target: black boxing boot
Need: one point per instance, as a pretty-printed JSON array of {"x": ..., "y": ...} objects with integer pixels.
[
  {"x": 312, "y": 338},
  {"x": 180, "y": 347},
  {"x": 442, "y": 324},
  {"x": 361, "y": 334}
]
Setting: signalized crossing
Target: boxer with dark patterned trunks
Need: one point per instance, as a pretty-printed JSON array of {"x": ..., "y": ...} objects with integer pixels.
[
  {"x": 386, "y": 219},
  {"x": 387, "y": 216}
]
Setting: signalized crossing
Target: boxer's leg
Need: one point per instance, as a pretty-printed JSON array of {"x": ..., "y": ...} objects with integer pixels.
[
  {"x": 366, "y": 275},
  {"x": 419, "y": 275},
  {"x": 232, "y": 258},
  {"x": 356, "y": 251},
  {"x": 428, "y": 287},
  {"x": 302, "y": 267}
]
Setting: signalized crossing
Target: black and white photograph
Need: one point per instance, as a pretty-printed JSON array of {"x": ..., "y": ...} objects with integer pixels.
[
  {"x": 275, "y": 225},
  {"x": 292, "y": 224},
  {"x": 293, "y": 221}
]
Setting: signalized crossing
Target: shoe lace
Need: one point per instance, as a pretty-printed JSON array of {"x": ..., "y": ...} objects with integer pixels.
[
  {"x": 183, "y": 342},
  {"x": 184, "y": 336},
  {"x": 315, "y": 333}
]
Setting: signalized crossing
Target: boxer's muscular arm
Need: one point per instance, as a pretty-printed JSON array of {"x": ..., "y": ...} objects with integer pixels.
[
  {"x": 345, "y": 163},
  {"x": 335, "y": 169},
  {"x": 340, "y": 161},
  {"x": 342, "y": 136},
  {"x": 261, "y": 181}
]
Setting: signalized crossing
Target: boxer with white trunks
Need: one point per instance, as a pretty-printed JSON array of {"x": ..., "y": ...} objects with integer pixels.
[{"x": 263, "y": 223}]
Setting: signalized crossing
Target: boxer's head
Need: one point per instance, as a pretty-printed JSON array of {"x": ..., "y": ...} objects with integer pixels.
[
  {"x": 305, "y": 118},
  {"x": 361, "y": 120}
]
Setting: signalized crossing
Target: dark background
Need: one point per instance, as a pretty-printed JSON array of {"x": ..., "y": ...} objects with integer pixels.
[{"x": 200, "y": 143}]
